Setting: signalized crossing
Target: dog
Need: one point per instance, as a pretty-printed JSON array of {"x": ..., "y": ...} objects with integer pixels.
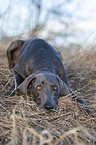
[{"x": 39, "y": 71}]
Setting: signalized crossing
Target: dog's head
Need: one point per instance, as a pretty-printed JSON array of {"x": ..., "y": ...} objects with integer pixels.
[{"x": 45, "y": 87}]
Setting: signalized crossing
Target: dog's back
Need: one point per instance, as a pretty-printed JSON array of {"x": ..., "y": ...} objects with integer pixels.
[{"x": 37, "y": 55}]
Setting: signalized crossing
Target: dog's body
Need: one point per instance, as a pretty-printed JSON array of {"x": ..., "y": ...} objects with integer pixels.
[
  {"x": 37, "y": 55},
  {"x": 39, "y": 71}
]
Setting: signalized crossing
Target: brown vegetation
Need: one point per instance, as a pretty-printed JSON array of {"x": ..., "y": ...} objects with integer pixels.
[{"x": 22, "y": 122}]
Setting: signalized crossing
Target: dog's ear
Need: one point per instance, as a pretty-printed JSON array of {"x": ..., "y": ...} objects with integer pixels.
[
  {"x": 13, "y": 52},
  {"x": 22, "y": 88},
  {"x": 64, "y": 90}
]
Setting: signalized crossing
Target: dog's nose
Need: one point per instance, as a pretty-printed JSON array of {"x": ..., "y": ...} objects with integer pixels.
[{"x": 49, "y": 106}]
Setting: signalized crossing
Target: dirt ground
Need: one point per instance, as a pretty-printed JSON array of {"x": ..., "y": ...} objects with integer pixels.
[{"x": 22, "y": 122}]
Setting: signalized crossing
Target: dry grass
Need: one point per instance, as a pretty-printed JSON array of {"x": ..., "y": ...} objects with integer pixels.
[{"x": 22, "y": 122}]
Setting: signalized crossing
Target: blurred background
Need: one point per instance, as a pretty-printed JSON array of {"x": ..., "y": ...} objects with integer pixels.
[{"x": 66, "y": 24}]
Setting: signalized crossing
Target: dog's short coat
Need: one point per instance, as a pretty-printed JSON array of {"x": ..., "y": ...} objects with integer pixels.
[{"x": 39, "y": 70}]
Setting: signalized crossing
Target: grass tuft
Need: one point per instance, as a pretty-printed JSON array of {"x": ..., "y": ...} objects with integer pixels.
[{"x": 22, "y": 122}]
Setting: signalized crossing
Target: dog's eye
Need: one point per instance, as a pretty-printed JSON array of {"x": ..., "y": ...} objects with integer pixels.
[
  {"x": 38, "y": 87},
  {"x": 55, "y": 88}
]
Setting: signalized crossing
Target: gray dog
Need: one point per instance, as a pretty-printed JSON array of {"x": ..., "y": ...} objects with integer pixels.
[{"x": 39, "y": 70}]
